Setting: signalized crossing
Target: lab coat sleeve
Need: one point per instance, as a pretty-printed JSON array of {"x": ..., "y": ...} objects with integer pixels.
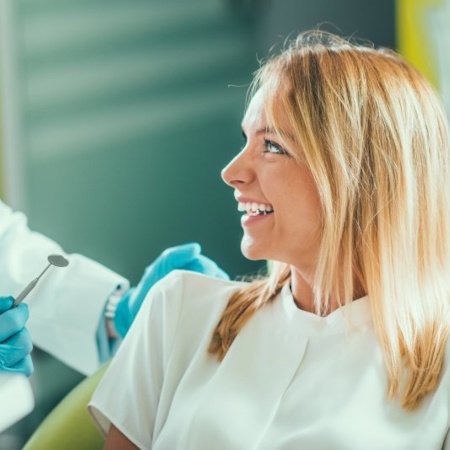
[{"x": 67, "y": 305}]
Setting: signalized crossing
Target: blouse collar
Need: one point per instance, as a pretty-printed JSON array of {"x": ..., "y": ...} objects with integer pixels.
[{"x": 346, "y": 318}]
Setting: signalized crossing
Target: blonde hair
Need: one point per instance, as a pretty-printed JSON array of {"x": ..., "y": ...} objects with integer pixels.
[{"x": 375, "y": 138}]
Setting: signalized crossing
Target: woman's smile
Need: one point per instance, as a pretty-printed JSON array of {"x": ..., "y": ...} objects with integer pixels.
[{"x": 276, "y": 192}]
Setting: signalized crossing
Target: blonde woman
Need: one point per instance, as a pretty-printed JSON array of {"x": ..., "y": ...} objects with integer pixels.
[{"x": 344, "y": 183}]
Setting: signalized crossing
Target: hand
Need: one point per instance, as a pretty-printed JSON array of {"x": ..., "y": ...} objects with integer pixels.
[
  {"x": 15, "y": 341},
  {"x": 187, "y": 257}
]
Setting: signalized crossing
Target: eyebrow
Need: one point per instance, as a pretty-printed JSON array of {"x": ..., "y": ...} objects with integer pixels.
[
  {"x": 265, "y": 130},
  {"x": 270, "y": 130}
]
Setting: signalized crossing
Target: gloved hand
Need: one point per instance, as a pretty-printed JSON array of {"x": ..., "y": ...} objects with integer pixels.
[
  {"x": 15, "y": 340},
  {"x": 187, "y": 257}
]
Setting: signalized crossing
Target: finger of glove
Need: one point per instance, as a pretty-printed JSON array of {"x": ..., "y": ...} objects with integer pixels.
[
  {"x": 181, "y": 254},
  {"x": 6, "y": 303},
  {"x": 172, "y": 258},
  {"x": 208, "y": 267},
  {"x": 12, "y": 321},
  {"x": 178, "y": 257},
  {"x": 15, "y": 348},
  {"x": 24, "y": 366}
]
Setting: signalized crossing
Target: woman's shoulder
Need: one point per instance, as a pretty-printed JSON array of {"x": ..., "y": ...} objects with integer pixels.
[
  {"x": 198, "y": 280},
  {"x": 197, "y": 288},
  {"x": 192, "y": 305},
  {"x": 182, "y": 289},
  {"x": 188, "y": 276}
]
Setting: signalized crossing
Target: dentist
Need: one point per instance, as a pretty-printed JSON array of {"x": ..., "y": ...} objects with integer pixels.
[{"x": 78, "y": 314}]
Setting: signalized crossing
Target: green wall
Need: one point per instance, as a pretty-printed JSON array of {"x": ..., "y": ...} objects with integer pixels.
[{"x": 127, "y": 118}]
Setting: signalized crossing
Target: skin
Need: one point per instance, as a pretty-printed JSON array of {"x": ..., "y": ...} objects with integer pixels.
[
  {"x": 265, "y": 172},
  {"x": 118, "y": 441}
]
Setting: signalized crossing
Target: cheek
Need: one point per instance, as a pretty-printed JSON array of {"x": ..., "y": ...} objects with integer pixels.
[{"x": 300, "y": 205}]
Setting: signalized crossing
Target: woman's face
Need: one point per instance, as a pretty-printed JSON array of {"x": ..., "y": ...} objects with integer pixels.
[{"x": 277, "y": 194}]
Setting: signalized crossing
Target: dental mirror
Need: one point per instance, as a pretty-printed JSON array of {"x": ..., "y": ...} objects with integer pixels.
[
  {"x": 58, "y": 260},
  {"x": 54, "y": 260}
]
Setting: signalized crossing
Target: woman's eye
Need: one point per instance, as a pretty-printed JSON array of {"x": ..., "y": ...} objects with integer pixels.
[
  {"x": 244, "y": 141},
  {"x": 272, "y": 147}
]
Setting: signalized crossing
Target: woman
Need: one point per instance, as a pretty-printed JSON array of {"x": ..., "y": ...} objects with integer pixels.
[{"x": 344, "y": 183}]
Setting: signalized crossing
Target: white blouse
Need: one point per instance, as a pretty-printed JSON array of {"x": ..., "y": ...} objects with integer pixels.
[{"x": 291, "y": 379}]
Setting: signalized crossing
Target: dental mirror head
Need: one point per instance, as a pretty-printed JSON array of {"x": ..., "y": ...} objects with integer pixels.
[
  {"x": 58, "y": 260},
  {"x": 54, "y": 260}
]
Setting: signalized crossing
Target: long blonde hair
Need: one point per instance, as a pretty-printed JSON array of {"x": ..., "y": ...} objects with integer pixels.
[{"x": 375, "y": 137}]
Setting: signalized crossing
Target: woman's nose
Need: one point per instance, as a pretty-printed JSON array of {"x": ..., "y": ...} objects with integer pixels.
[{"x": 237, "y": 171}]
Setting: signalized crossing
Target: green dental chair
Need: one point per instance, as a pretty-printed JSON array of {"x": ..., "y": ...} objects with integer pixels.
[{"x": 69, "y": 425}]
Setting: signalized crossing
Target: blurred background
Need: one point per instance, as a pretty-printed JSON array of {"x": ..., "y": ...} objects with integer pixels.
[{"x": 116, "y": 118}]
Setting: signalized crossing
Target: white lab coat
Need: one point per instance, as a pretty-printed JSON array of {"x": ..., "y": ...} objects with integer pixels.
[{"x": 67, "y": 305}]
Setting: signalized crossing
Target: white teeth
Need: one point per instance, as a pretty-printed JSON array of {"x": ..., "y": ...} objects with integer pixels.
[{"x": 255, "y": 208}]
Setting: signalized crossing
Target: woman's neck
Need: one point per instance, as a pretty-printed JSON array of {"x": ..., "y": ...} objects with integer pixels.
[{"x": 302, "y": 290}]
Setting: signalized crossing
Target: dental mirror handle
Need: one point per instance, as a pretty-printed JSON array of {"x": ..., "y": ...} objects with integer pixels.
[{"x": 30, "y": 286}]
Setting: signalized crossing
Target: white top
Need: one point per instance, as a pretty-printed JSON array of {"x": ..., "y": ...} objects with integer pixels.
[
  {"x": 291, "y": 379},
  {"x": 67, "y": 305}
]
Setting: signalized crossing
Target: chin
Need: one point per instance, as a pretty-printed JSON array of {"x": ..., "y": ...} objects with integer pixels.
[{"x": 252, "y": 251}]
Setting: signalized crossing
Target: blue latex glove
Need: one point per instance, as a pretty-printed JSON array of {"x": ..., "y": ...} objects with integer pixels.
[
  {"x": 186, "y": 257},
  {"x": 15, "y": 340}
]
